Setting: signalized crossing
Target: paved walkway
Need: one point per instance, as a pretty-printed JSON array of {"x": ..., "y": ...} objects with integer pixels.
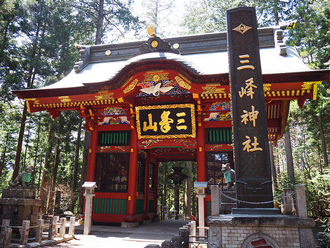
[{"x": 115, "y": 236}]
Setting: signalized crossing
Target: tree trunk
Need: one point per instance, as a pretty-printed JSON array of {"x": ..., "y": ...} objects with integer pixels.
[
  {"x": 20, "y": 143},
  {"x": 2, "y": 163},
  {"x": 75, "y": 170},
  {"x": 34, "y": 172},
  {"x": 176, "y": 199},
  {"x": 188, "y": 190},
  {"x": 44, "y": 180},
  {"x": 26, "y": 148},
  {"x": 324, "y": 146},
  {"x": 30, "y": 80},
  {"x": 165, "y": 184},
  {"x": 288, "y": 154},
  {"x": 98, "y": 40},
  {"x": 56, "y": 162},
  {"x": 272, "y": 164},
  {"x": 194, "y": 199},
  {"x": 84, "y": 172},
  {"x": 99, "y": 28}
]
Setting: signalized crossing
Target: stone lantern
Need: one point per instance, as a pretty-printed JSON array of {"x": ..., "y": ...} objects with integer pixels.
[
  {"x": 89, "y": 193},
  {"x": 177, "y": 176},
  {"x": 201, "y": 186}
]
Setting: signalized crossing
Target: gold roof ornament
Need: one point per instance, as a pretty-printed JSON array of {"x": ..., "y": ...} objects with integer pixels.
[{"x": 151, "y": 32}]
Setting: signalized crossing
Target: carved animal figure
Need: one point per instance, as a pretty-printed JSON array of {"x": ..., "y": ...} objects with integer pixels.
[
  {"x": 229, "y": 175},
  {"x": 22, "y": 179}
]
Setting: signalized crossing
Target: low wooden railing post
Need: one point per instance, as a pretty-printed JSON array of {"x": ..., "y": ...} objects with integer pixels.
[
  {"x": 52, "y": 229},
  {"x": 5, "y": 224},
  {"x": 25, "y": 232},
  {"x": 39, "y": 230},
  {"x": 167, "y": 244},
  {"x": 287, "y": 201},
  {"x": 56, "y": 224},
  {"x": 176, "y": 241},
  {"x": 71, "y": 228},
  {"x": 62, "y": 227},
  {"x": 184, "y": 234},
  {"x": 6, "y": 237},
  {"x": 193, "y": 231},
  {"x": 215, "y": 200}
]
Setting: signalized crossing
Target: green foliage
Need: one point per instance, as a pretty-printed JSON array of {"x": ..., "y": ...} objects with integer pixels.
[
  {"x": 210, "y": 16},
  {"x": 317, "y": 188},
  {"x": 324, "y": 240},
  {"x": 166, "y": 185},
  {"x": 118, "y": 19}
]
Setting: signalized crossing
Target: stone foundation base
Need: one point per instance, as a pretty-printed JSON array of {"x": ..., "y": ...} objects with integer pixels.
[
  {"x": 147, "y": 221},
  {"x": 156, "y": 219},
  {"x": 20, "y": 204},
  {"x": 129, "y": 224},
  {"x": 247, "y": 231}
]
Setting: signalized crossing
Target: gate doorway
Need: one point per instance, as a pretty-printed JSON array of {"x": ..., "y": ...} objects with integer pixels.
[{"x": 177, "y": 200}]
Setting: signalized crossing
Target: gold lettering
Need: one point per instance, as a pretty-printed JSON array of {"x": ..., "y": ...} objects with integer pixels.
[
  {"x": 247, "y": 145},
  {"x": 250, "y": 116},
  {"x": 248, "y": 90},
  {"x": 181, "y": 121},
  {"x": 150, "y": 126},
  {"x": 165, "y": 122},
  {"x": 244, "y": 60}
]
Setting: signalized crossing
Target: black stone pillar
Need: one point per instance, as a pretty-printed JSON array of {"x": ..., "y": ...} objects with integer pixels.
[{"x": 251, "y": 151}]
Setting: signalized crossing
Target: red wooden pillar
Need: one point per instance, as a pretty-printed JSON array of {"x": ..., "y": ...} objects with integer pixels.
[
  {"x": 156, "y": 179},
  {"x": 132, "y": 179},
  {"x": 201, "y": 166},
  {"x": 92, "y": 156},
  {"x": 201, "y": 160},
  {"x": 146, "y": 187}
]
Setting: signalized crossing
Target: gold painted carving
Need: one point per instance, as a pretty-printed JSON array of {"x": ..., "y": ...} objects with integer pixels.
[
  {"x": 155, "y": 71},
  {"x": 242, "y": 28},
  {"x": 154, "y": 44},
  {"x": 309, "y": 85},
  {"x": 105, "y": 95},
  {"x": 267, "y": 87},
  {"x": 182, "y": 83},
  {"x": 184, "y": 78},
  {"x": 64, "y": 99},
  {"x": 32, "y": 99},
  {"x": 212, "y": 90},
  {"x": 131, "y": 86},
  {"x": 155, "y": 76}
]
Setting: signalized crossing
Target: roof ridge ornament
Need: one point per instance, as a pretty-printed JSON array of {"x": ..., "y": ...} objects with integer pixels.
[
  {"x": 84, "y": 58},
  {"x": 279, "y": 42},
  {"x": 156, "y": 44}
]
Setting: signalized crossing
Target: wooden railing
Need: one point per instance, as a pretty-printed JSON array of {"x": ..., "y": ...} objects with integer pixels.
[{"x": 56, "y": 229}]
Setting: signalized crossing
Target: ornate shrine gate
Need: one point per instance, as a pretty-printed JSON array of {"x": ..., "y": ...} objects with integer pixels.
[{"x": 146, "y": 102}]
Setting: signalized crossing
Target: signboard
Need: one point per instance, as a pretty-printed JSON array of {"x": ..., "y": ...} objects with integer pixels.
[
  {"x": 252, "y": 158},
  {"x": 166, "y": 121}
]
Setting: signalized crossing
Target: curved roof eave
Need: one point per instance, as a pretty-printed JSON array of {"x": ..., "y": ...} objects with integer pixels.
[{"x": 200, "y": 64}]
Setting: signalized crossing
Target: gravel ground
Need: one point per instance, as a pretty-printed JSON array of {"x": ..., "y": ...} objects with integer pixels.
[{"x": 113, "y": 236}]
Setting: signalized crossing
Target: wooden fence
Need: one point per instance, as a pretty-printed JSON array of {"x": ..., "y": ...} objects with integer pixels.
[{"x": 56, "y": 229}]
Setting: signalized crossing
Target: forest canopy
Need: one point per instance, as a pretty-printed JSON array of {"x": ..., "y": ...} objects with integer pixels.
[{"x": 37, "y": 48}]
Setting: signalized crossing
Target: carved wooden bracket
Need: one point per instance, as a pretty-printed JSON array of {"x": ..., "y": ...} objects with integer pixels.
[
  {"x": 92, "y": 117},
  {"x": 53, "y": 113}
]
